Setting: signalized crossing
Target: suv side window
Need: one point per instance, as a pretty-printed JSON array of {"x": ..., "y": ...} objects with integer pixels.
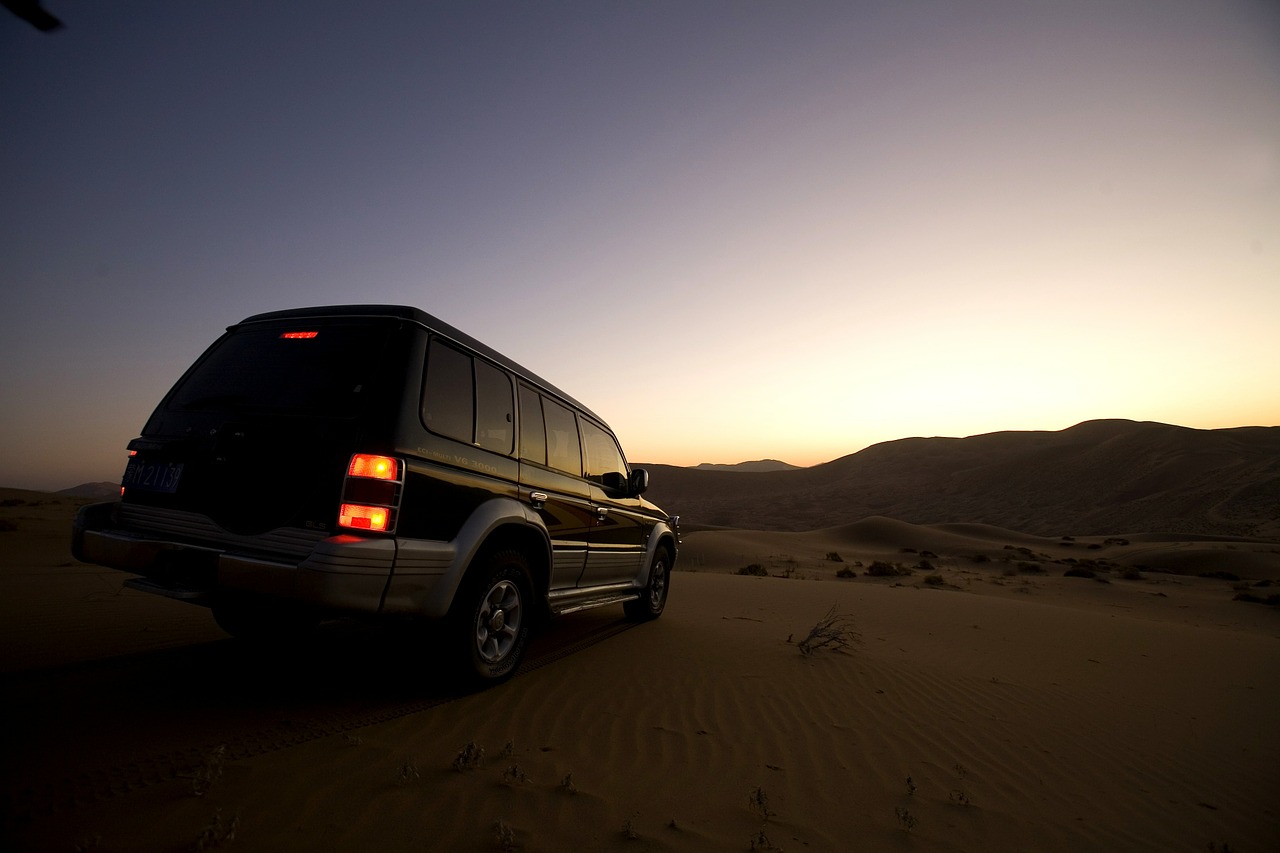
[
  {"x": 467, "y": 399},
  {"x": 563, "y": 451},
  {"x": 494, "y": 416},
  {"x": 533, "y": 433},
  {"x": 603, "y": 459},
  {"x": 448, "y": 404}
]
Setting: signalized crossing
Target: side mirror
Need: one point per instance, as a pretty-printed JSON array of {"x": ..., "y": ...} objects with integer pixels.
[{"x": 639, "y": 482}]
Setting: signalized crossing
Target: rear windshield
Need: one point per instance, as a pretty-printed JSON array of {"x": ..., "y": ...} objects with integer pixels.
[{"x": 324, "y": 368}]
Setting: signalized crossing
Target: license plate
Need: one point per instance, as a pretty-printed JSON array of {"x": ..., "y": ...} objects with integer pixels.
[{"x": 152, "y": 476}]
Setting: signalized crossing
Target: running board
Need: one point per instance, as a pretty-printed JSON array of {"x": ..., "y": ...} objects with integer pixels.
[
  {"x": 574, "y": 606},
  {"x": 192, "y": 596}
]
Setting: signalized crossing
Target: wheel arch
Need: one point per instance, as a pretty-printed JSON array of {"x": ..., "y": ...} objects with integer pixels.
[
  {"x": 499, "y": 523},
  {"x": 529, "y": 540}
]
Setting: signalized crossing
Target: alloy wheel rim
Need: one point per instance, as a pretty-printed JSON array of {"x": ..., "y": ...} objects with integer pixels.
[
  {"x": 658, "y": 586},
  {"x": 498, "y": 622}
]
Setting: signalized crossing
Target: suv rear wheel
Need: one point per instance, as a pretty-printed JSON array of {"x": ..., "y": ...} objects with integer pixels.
[{"x": 493, "y": 616}]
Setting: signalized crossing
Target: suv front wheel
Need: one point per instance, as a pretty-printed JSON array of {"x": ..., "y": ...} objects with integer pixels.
[
  {"x": 653, "y": 599},
  {"x": 492, "y": 618}
]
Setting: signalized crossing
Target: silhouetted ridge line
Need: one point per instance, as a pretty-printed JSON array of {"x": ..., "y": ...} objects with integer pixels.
[{"x": 1098, "y": 477}]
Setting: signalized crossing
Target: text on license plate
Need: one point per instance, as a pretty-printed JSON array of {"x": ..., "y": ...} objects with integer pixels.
[{"x": 152, "y": 476}]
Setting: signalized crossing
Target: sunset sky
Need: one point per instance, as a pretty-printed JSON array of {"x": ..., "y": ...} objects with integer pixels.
[{"x": 736, "y": 230}]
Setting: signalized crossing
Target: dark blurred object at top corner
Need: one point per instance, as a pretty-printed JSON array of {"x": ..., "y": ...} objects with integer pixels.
[{"x": 33, "y": 13}]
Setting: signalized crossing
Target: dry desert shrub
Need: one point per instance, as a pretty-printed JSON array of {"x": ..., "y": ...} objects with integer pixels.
[
  {"x": 203, "y": 777},
  {"x": 1272, "y": 600},
  {"x": 834, "y": 557},
  {"x": 758, "y": 802},
  {"x": 513, "y": 775},
  {"x": 759, "y": 841},
  {"x": 505, "y": 836},
  {"x": 408, "y": 772},
  {"x": 469, "y": 757},
  {"x": 754, "y": 570},
  {"x": 882, "y": 569},
  {"x": 833, "y": 631},
  {"x": 218, "y": 832}
]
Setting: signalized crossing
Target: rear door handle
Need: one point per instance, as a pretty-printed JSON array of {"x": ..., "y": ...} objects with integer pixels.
[
  {"x": 602, "y": 511},
  {"x": 538, "y": 499}
]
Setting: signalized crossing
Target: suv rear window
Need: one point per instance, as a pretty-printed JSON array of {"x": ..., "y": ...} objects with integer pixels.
[{"x": 307, "y": 367}]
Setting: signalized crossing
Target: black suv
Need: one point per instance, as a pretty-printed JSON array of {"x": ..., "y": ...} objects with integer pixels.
[{"x": 374, "y": 460}]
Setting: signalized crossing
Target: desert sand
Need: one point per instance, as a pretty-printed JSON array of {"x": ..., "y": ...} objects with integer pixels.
[{"x": 985, "y": 702}]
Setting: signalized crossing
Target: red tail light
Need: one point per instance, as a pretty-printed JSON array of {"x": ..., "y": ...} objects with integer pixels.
[
  {"x": 298, "y": 336},
  {"x": 359, "y": 517},
  {"x": 374, "y": 467},
  {"x": 371, "y": 493}
]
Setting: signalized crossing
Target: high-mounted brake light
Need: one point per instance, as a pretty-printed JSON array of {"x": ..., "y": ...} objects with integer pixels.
[
  {"x": 360, "y": 517},
  {"x": 298, "y": 336},
  {"x": 374, "y": 467}
]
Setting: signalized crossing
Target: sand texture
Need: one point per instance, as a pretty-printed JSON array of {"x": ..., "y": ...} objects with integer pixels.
[{"x": 984, "y": 702}]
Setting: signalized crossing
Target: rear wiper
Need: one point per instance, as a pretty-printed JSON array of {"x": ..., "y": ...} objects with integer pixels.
[{"x": 213, "y": 400}]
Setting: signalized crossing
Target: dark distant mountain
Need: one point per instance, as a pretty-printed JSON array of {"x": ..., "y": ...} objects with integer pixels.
[
  {"x": 1098, "y": 477},
  {"x": 758, "y": 465},
  {"x": 105, "y": 491}
]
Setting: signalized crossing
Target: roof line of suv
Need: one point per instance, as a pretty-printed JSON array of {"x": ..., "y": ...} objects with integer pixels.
[{"x": 429, "y": 322}]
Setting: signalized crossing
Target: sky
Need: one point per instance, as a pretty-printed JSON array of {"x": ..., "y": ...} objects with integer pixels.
[{"x": 735, "y": 230}]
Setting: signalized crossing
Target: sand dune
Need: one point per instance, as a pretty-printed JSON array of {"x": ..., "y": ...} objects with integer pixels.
[
  {"x": 1096, "y": 478},
  {"x": 999, "y": 709}
]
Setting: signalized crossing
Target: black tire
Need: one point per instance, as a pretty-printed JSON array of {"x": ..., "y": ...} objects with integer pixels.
[
  {"x": 653, "y": 600},
  {"x": 491, "y": 619}
]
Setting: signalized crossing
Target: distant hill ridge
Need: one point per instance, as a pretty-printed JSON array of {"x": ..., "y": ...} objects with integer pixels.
[
  {"x": 1098, "y": 477},
  {"x": 758, "y": 465}
]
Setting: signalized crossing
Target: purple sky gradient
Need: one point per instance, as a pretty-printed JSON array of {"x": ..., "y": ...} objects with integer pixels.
[{"x": 734, "y": 229}]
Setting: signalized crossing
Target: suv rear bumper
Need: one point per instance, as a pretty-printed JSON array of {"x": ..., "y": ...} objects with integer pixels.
[{"x": 339, "y": 573}]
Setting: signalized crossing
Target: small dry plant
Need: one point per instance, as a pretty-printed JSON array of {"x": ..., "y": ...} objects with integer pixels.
[
  {"x": 758, "y": 802},
  {"x": 760, "y": 842},
  {"x": 505, "y": 836},
  {"x": 469, "y": 757},
  {"x": 566, "y": 784},
  {"x": 219, "y": 831},
  {"x": 959, "y": 795},
  {"x": 203, "y": 777},
  {"x": 833, "y": 631},
  {"x": 905, "y": 818},
  {"x": 408, "y": 772},
  {"x": 513, "y": 775}
]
